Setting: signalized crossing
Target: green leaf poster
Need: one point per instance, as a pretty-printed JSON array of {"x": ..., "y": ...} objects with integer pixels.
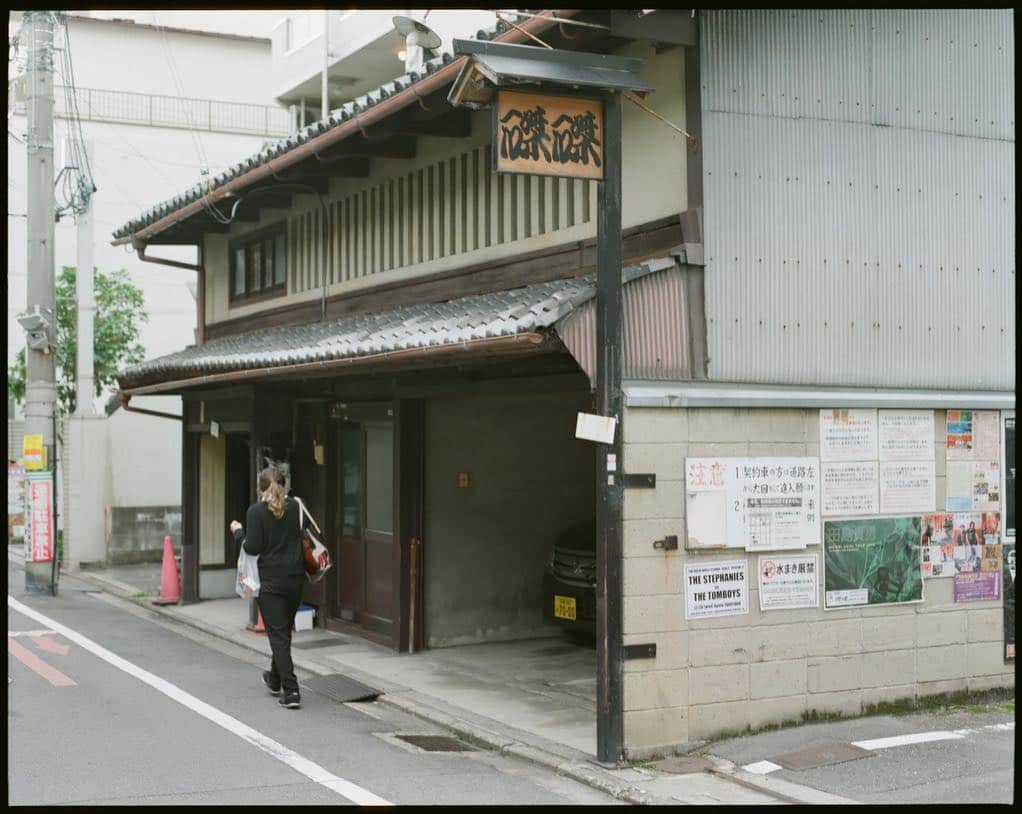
[{"x": 872, "y": 561}]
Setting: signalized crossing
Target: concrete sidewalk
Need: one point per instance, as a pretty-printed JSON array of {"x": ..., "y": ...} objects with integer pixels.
[{"x": 533, "y": 699}]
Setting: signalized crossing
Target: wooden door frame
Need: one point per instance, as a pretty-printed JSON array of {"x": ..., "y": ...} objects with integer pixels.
[{"x": 409, "y": 458}]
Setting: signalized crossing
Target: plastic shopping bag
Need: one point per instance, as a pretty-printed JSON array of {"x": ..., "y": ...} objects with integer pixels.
[{"x": 247, "y": 583}]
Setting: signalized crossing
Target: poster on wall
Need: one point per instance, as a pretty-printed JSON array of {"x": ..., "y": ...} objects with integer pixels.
[
  {"x": 959, "y": 435},
  {"x": 848, "y": 435},
  {"x": 789, "y": 582},
  {"x": 977, "y": 556},
  {"x": 1008, "y": 579},
  {"x": 938, "y": 548},
  {"x": 706, "y": 504},
  {"x": 905, "y": 435},
  {"x": 1008, "y": 457},
  {"x": 15, "y": 500},
  {"x": 872, "y": 561},
  {"x": 973, "y": 486},
  {"x": 972, "y": 435},
  {"x": 716, "y": 589},
  {"x": 849, "y": 488},
  {"x": 760, "y": 504},
  {"x": 39, "y": 532},
  {"x": 907, "y": 486}
]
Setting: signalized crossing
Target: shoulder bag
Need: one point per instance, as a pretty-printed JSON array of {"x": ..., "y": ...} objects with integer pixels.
[{"x": 315, "y": 555}]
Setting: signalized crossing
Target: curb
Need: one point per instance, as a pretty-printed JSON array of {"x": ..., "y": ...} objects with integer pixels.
[
  {"x": 470, "y": 732},
  {"x": 587, "y": 773}
]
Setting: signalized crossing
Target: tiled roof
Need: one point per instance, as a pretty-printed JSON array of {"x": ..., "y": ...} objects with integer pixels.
[
  {"x": 531, "y": 308},
  {"x": 281, "y": 146}
]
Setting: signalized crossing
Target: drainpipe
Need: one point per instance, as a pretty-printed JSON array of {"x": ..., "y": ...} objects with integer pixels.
[
  {"x": 123, "y": 398},
  {"x": 140, "y": 248}
]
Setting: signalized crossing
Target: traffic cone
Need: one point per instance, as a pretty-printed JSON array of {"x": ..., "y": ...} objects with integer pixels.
[{"x": 170, "y": 581}]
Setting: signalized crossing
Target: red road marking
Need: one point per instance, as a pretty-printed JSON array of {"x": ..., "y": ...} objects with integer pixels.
[
  {"x": 48, "y": 644},
  {"x": 33, "y": 662}
]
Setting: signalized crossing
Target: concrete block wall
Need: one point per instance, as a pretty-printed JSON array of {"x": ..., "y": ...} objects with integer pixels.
[{"x": 713, "y": 676}]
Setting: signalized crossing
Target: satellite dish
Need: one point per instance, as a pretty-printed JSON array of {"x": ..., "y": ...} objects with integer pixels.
[{"x": 419, "y": 38}]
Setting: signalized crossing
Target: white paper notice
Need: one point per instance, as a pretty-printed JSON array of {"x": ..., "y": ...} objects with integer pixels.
[
  {"x": 905, "y": 435},
  {"x": 848, "y": 435},
  {"x": 768, "y": 503},
  {"x": 855, "y": 596},
  {"x": 597, "y": 428},
  {"x": 986, "y": 486},
  {"x": 716, "y": 589},
  {"x": 849, "y": 488},
  {"x": 789, "y": 582},
  {"x": 777, "y": 503},
  {"x": 958, "y": 486},
  {"x": 986, "y": 437},
  {"x": 907, "y": 487}
]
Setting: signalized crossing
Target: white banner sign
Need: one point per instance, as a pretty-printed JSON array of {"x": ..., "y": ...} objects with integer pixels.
[
  {"x": 848, "y": 435},
  {"x": 906, "y": 435},
  {"x": 789, "y": 582},
  {"x": 907, "y": 487},
  {"x": 761, "y": 504},
  {"x": 716, "y": 589},
  {"x": 849, "y": 488}
]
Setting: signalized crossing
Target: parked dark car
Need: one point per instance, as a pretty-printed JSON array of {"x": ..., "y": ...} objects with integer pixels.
[{"x": 569, "y": 581}]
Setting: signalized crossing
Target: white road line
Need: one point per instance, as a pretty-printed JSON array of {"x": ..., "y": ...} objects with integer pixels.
[
  {"x": 761, "y": 767},
  {"x": 29, "y": 632},
  {"x": 313, "y": 771},
  {"x": 906, "y": 740}
]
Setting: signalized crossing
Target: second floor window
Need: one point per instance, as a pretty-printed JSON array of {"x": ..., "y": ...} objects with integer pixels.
[{"x": 259, "y": 264}]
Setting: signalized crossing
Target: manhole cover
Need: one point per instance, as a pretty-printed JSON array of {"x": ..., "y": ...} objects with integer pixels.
[
  {"x": 341, "y": 688},
  {"x": 317, "y": 643},
  {"x": 436, "y": 743},
  {"x": 821, "y": 756},
  {"x": 684, "y": 765}
]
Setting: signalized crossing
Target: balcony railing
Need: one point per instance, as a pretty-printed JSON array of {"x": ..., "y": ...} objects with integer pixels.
[{"x": 175, "y": 111}]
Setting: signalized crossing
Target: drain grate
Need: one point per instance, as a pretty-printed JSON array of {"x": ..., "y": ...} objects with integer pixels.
[
  {"x": 684, "y": 765},
  {"x": 342, "y": 689},
  {"x": 826, "y": 755},
  {"x": 436, "y": 743},
  {"x": 317, "y": 643}
]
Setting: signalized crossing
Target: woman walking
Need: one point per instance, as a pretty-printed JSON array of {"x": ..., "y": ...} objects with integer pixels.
[{"x": 274, "y": 535}]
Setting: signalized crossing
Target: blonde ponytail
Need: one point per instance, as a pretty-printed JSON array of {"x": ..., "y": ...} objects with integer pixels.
[{"x": 271, "y": 488}]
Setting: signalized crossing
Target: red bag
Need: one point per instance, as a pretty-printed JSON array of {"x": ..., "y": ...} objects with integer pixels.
[{"x": 314, "y": 553}]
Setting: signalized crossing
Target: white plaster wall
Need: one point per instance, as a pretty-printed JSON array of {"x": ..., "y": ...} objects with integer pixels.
[
  {"x": 136, "y": 167},
  {"x": 725, "y": 674},
  {"x": 145, "y": 454}
]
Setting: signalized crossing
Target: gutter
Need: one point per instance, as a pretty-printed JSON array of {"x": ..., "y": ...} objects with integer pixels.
[
  {"x": 351, "y": 127},
  {"x": 140, "y": 248},
  {"x": 515, "y": 343},
  {"x": 124, "y": 398}
]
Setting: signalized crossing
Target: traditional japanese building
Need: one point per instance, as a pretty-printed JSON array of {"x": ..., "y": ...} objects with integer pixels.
[{"x": 415, "y": 334}]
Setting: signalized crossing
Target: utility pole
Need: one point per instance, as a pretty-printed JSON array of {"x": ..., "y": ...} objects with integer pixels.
[
  {"x": 85, "y": 386},
  {"x": 40, "y": 384},
  {"x": 325, "y": 102}
]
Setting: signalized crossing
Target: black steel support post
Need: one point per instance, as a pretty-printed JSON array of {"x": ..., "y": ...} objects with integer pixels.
[{"x": 609, "y": 490}]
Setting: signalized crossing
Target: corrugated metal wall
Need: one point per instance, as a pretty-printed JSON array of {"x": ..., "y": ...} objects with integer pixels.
[
  {"x": 859, "y": 197},
  {"x": 656, "y": 335},
  {"x": 450, "y": 207}
]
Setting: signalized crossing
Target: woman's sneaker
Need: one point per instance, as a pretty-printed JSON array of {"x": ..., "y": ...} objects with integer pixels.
[
  {"x": 291, "y": 701},
  {"x": 273, "y": 687}
]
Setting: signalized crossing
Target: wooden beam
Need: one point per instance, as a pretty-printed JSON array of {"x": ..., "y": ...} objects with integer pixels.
[
  {"x": 455, "y": 123},
  {"x": 388, "y": 146}
]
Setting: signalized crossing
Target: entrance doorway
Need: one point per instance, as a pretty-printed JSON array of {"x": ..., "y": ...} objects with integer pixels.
[
  {"x": 238, "y": 488},
  {"x": 364, "y": 517}
]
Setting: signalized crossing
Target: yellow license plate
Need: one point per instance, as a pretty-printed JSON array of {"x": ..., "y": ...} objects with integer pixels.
[{"x": 564, "y": 607}]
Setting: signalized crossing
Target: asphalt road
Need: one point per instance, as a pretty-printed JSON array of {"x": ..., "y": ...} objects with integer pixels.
[
  {"x": 83, "y": 730},
  {"x": 962, "y": 755}
]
